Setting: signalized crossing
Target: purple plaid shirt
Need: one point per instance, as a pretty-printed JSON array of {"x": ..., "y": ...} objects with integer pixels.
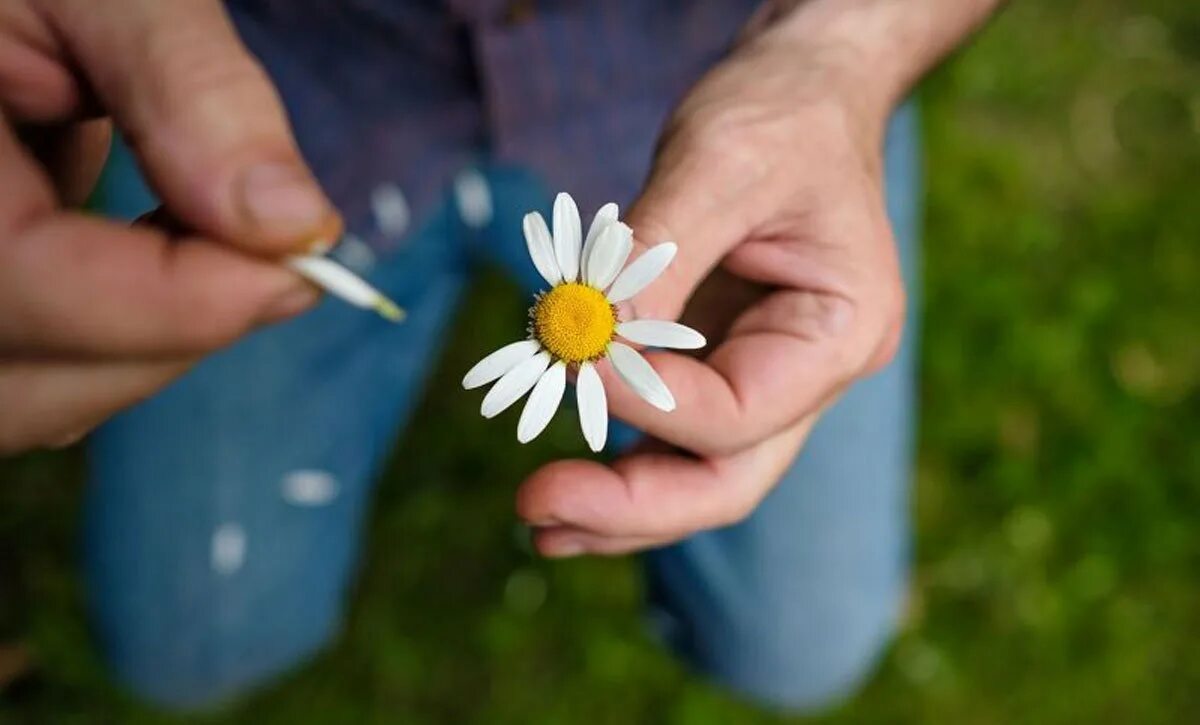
[{"x": 407, "y": 93}]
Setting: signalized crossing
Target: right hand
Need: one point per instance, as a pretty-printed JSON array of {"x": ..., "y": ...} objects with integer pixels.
[{"x": 94, "y": 315}]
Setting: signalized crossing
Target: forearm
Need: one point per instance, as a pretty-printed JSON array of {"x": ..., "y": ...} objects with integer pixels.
[{"x": 876, "y": 49}]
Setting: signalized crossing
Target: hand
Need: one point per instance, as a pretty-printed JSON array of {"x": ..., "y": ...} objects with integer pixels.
[
  {"x": 769, "y": 179},
  {"x": 94, "y": 315}
]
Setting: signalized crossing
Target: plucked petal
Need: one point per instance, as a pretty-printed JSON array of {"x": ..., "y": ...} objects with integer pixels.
[
  {"x": 543, "y": 402},
  {"x": 541, "y": 247},
  {"x": 567, "y": 239},
  {"x": 608, "y": 254},
  {"x": 514, "y": 384},
  {"x": 637, "y": 373},
  {"x": 660, "y": 333},
  {"x": 644, "y": 270},
  {"x": 593, "y": 407},
  {"x": 499, "y": 363}
]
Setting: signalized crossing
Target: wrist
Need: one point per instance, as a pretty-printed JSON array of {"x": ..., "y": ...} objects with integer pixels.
[
  {"x": 870, "y": 51},
  {"x": 842, "y": 43}
]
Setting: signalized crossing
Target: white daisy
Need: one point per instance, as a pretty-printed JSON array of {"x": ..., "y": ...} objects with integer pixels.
[{"x": 576, "y": 323}]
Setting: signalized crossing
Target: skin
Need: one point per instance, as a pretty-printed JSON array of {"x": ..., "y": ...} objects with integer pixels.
[
  {"x": 95, "y": 315},
  {"x": 769, "y": 177}
]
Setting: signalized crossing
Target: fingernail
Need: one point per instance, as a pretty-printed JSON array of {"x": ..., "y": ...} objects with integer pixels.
[
  {"x": 320, "y": 246},
  {"x": 283, "y": 201},
  {"x": 291, "y": 303},
  {"x": 564, "y": 549}
]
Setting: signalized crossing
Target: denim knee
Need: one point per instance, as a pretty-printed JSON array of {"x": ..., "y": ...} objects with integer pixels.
[
  {"x": 799, "y": 635},
  {"x": 188, "y": 674},
  {"x": 785, "y": 657}
]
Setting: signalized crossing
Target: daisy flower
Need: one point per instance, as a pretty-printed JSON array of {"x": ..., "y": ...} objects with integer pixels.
[{"x": 576, "y": 324}]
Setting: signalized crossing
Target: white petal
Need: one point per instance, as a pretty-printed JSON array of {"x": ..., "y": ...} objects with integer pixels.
[
  {"x": 331, "y": 276},
  {"x": 499, "y": 363},
  {"x": 638, "y": 374},
  {"x": 660, "y": 333},
  {"x": 593, "y": 407},
  {"x": 543, "y": 402},
  {"x": 541, "y": 248},
  {"x": 608, "y": 254},
  {"x": 566, "y": 236},
  {"x": 607, "y": 215},
  {"x": 514, "y": 384},
  {"x": 644, "y": 270}
]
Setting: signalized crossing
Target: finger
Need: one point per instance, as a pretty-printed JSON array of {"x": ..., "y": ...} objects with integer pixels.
[
  {"x": 832, "y": 319},
  {"x": 77, "y": 285},
  {"x": 203, "y": 117},
  {"x": 27, "y": 192},
  {"x": 783, "y": 358},
  {"x": 73, "y": 155},
  {"x": 35, "y": 84},
  {"x": 54, "y": 404},
  {"x": 656, "y": 495},
  {"x": 558, "y": 542}
]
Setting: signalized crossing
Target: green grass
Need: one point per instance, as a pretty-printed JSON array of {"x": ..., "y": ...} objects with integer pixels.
[{"x": 1058, "y": 492}]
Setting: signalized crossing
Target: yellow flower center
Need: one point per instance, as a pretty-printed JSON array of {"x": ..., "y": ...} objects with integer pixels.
[{"x": 574, "y": 322}]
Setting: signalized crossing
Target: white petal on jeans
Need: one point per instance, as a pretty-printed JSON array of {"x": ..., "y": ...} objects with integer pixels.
[
  {"x": 660, "y": 333},
  {"x": 637, "y": 373},
  {"x": 641, "y": 272},
  {"x": 608, "y": 254},
  {"x": 593, "y": 407},
  {"x": 499, "y": 363},
  {"x": 543, "y": 402},
  {"x": 567, "y": 240},
  {"x": 541, "y": 247},
  {"x": 513, "y": 385},
  {"x": 607, "y": 215},
  {"x": 474, "y": 198}
]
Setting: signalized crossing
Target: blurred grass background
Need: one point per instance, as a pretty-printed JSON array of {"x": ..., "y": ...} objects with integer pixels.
[{"x": 1057, "y": 573}]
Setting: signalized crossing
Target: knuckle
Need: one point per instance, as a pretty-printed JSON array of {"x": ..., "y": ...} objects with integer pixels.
[
  {"x": 738, "y": 510},
  {"x": 200, "y": 85}
]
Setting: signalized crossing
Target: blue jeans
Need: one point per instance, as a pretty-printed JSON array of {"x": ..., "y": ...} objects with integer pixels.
[{"x": 223, "y": 515}]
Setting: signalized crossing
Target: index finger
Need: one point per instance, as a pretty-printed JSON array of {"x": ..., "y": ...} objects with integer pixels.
[
  {"x": 80, "y": 286},
  {"x": 783, "y": 359},
  {"x": 656, "y": 496}
]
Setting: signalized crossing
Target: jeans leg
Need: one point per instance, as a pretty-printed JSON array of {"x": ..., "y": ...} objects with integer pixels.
[
  {"x": 223, "y": 515},
  {"x": 794, "y": 605}
]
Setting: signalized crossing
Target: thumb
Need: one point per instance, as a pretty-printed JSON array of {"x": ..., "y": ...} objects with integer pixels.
[
  {"x": 203, "y": 118},
  {"x": 697, "y": 211}
]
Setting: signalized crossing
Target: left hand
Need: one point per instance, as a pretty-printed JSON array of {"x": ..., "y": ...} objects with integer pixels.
[{"x": 769, "y": 179}]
